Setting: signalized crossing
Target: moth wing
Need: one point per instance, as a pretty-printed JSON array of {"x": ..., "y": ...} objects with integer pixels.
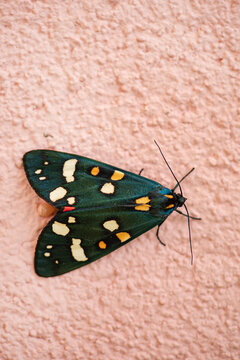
[
  {"x": 70, "y": 180},
  {"x": 76, "y": 238}
]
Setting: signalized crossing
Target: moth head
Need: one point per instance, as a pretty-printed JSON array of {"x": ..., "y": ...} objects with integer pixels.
[{"x": 179, "y": 200}]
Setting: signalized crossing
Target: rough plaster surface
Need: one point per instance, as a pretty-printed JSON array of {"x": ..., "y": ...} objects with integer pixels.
[{"x": 103, "y": 79}]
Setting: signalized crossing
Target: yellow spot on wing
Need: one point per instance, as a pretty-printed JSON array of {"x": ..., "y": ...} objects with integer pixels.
[
  {"x": 168, "y": 196},
  {"x": 47, "y": 254},
  {"x": 123, "y": 236},
  {"x": 143, "y": 200},
  {"x": 107, "y": 188},
  {"x": 57, "y": 194},
  {"x": 46, "y": 163},
  {"x": 71, "y": 200},
  {"x": 71, "y": 219},
  {"x": 169, "y": 206},
  {"x": 49, "y": 246},
  {"x": 95, "y": 171},
  {"x": 69, "y": 168},
  {"x": 145, "y": 207},
  {"x": 102, "y": 244},
  {"x": 117, "y": 175},
  {"x": 77, "y": 251},
  {"x": 111, "y": 225},
  {"x": 59, "y": 228}
]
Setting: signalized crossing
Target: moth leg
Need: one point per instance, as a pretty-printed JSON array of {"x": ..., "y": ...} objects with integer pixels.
[
  {"x": 190, "y": 217},
  {"x": 159, "y": 237},
  {"x": 141, "y": 171}
]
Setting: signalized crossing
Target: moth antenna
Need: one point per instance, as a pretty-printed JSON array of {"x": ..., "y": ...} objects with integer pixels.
[
  {"x": 189, "y": 232},
  {"x": 178, "y": 183},
  {"x": 184, "y": 177}
]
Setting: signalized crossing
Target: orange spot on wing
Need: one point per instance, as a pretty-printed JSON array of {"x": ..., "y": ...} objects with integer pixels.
[
  {"x": 169, "y": 206},
  {"x": 102, "y": 244},
  {"x": 145, "y": 207},
  {"x": 117, "y": 175},
  {"x": 168, "y": 196},
  {"x": 143, "y": 200},
  {"x": 95, "y": 171},
  {"x": 123, "y": 236}
]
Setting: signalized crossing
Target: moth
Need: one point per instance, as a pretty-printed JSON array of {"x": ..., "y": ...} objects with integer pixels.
[{"x": 100, "y": 208}]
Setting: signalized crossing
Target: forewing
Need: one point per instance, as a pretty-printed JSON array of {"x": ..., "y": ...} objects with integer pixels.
[{"x": 69, "y": 180}]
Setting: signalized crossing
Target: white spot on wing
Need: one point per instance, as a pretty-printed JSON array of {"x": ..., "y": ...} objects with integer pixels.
[
  {"x": 38, "y": 171},
  {"x": 71, "y": 200},
  {"x": 107, "y": 188},
  {"x": 71, "y": 219},
  {"x": 42, "y": 178},
  {"x": 49, "y": 247},
  {"x": 57, "y": 194},
  {"x": 69, "y": 168},
  {"x": 46, "y": 162},
  {"x": 47, "y": 254},
  {"x": 111, "y": 225},
  {"x": 77, "y": 251},
  {"x": 60, "y": 229}
]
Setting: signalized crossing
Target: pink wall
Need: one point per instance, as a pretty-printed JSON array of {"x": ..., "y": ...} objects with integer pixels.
[{"x": 104, "y": 79}]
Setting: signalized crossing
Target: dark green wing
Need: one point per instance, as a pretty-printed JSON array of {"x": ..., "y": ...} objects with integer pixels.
[
  {"x": 76, "y": 238},
  {"x": 69, "y": 180}
]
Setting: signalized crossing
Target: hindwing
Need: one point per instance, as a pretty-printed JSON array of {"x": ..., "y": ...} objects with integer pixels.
[{"x": 76, "y": 238}]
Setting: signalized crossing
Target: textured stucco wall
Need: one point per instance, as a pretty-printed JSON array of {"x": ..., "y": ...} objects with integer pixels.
[{"x": 103, "y": 79}]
